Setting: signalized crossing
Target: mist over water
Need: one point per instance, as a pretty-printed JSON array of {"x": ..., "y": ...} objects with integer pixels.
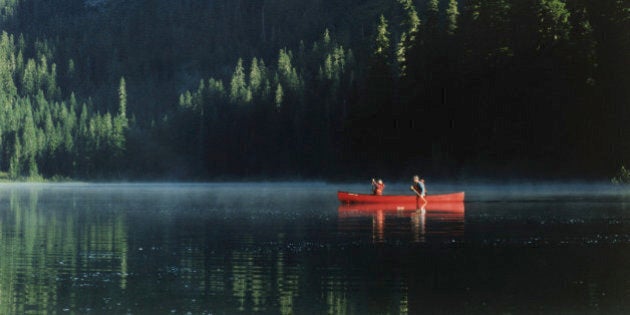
[{"x": 283, "y": 248}]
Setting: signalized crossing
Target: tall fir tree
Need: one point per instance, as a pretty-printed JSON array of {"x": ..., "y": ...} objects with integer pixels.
[
  {"x": 239, "y": 93},
  {"x": 452, "y": 13},
  {"x": 411, "y": 25}
]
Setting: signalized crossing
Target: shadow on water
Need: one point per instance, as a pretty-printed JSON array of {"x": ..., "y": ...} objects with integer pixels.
[{"x": 292, "y": 249}]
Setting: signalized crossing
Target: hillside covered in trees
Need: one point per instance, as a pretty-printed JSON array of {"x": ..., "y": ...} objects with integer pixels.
[{"x": 112, "y": 89}]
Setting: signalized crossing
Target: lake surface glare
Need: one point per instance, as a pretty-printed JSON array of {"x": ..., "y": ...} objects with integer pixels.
[{"x": 291, "y": 248}]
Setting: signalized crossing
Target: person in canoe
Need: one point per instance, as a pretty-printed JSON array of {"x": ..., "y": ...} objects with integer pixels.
[
  {"x": 377, "y": 187},
  {"x": 419, "y": 188}
]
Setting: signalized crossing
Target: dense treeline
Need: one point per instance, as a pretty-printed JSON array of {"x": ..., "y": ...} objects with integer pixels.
[
  {"x": 533, "y": 88},
  {"x": 315, "y": 88},
  {"x": 274, "y": 119},
  {"x": 517, "y": 86},
  {"x": 42, "y": 133}
]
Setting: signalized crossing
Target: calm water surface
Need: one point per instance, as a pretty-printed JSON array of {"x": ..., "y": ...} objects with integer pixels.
[{"x": 292, "y": 249}]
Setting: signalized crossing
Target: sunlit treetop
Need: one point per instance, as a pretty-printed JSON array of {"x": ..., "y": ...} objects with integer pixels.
[{"x": 382, "y": 38}]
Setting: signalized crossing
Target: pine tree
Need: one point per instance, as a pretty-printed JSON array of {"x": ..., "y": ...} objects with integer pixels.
[
  {"x": 69, "y": 123},
  {"x": 33, "y": 170},
  {"x": 381, "y": 51},
  {"x": 53, "y": 141},
  {"x": 84, "y": 124},
  {"x": 255, "y": 76},
  {"x": 29, "y": 135},
  {"x": 239, "y": 93},
  {"x": 216, "y": 89},
  {"x": 71, "y": 72},
  {"x": 14, "y": 162},
  {"x": 326, "y": 38},
  {"x": 379, "y": 81},
  {"x": 433, "y": 12},
  {"x": 408, "y": 37},
  {"x": 122, "y": 98},
  {"x": 279, "y": 96},
  {"x": 288, "y": 74},
  {"x": 30, "y": 78},
  {"x": 452, "y": 13},
  {"x": 120, "y": 122},
  {"x": 7, "y": 64}
]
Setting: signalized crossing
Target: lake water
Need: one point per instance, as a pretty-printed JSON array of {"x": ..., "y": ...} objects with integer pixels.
[{"x": 287, "y": 248}]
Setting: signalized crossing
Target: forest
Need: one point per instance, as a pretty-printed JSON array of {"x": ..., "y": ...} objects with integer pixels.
[{"x": 325, "y": 89}]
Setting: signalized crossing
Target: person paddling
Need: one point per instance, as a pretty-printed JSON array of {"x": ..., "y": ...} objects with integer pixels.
[
  {"x": 419, "y": 188},
  {"x": 377, "y": 187}
]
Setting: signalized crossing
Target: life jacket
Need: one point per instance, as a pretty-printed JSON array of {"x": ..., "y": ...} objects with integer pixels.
[{"x": 420, "y": 188}]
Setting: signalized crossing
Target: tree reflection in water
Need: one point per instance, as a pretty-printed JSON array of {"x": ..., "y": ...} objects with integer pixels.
[
  {"x": 49, "y": 249},
  {"x": 156, "y": 249}
]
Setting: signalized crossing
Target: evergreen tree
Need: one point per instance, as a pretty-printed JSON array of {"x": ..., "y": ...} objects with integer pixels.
[
  {"x": 7, "y": 64},
  {"x": 288, "y": 74},
  {"x": 256, "y": 75},
  {"x": 120, "y": 122},
  {"x": 122, "y": 98},
  {"x": 239, "y": 93},
  {"x": 433, "y": 12},
  {"x": 53, "y": 141},
  {"x": 382, "y": 49},
  {"x": 408, "y": 38},
  {"x": 14, "y": 163},
  {"x": 497, "y": 75},
  {"x": 29, "y": 136},
  {"x": 279, "y": 96},
  {"x": 30, "y": 78},
  {"x": 452, "y": 13},
  {"x": 377, "y": 101}
]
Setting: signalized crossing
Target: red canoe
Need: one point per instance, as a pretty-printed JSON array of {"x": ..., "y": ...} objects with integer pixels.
[
  {"x": 347, "y": 197},
  {"x": 439, "y": 207}
]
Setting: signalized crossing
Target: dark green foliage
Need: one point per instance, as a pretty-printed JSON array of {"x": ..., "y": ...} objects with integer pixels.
[
  {"x": 38, "y": 129},
  {"x": 269, "y": 129},
  {"x": 119, "y": 88},
  {"x": 509, "y": 88},
  {"x": 452, "y": 13}
]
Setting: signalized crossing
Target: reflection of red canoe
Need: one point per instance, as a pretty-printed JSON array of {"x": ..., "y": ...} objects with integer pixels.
[
  {"x": 393, "y": 200},
  {"x": 373, "y": 207}
]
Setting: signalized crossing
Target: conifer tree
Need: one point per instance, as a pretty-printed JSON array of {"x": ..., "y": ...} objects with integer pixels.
[
  {"x": 255, "y": 76},
  {"x": 381, "y": 51},
  {"x": 379, "y": 81},
  {"x": 239, "y": 93},
  {"x": 452, "y": 13},
  {"x": 14, "y": 162},
  {"x": 29, "y": 135},
  {"x": 288, "y": 74},
  {"x": 7, "y": 64},
  {"x": 433, "y": 12},
  {"x": 30, "y": 78},
  {"x": 408, "y": 38},
  {"x": 279, "y": 96},
  {"x": 122, "y": 98},
  {"x": 120, "y": 122}
]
